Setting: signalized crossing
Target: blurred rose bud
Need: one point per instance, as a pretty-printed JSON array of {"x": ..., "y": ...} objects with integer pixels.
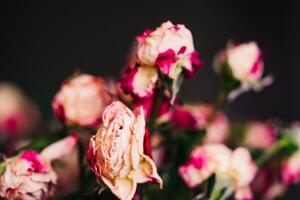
[
  {"x": 18, "y": 114},
  {"x": 259, "y": 135},
  {"x": 140, "y": 81},
  {"x": 197, "y": 117},
  {"x": 169, "y": 47},
  {"x": 244, "y": 62},
  {"x": 81, "y": 101},
  {"x": 28, "y": 176},
  {"x": 116, "y": 152}
]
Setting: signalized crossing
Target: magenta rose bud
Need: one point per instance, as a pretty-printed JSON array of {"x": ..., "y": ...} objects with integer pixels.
[
  {"x": 170, "y": 47},
  {"x": 197, "y": 117},
  {"x": 18, "y": 114},
  {"x": 81, "y": 101},
  {"x": 28, "y": 176},
  {"x": 116, "y": 153}
]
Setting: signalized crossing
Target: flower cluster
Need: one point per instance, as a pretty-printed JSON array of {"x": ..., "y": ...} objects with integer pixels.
[{"x": 137, "y": 139}]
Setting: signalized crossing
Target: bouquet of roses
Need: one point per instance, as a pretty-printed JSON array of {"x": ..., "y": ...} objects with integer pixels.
[{"x": 136, "y": 139}]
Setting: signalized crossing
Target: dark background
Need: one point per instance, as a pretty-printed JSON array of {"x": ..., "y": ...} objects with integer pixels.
[{"x": 43, "y": 42}]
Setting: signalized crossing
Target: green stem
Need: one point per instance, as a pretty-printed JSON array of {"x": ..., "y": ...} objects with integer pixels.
[
  {"x": 273, "y": 150},
  {"x": 220, "y": 102},
  {"x": 155, "y": 109}
]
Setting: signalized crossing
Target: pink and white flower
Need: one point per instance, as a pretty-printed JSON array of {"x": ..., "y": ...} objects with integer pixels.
[
  {"x": 81, "y": 101},
  {"x": 203, "y": 162},
  {"x": 140, "y": 81},
  {"x": 260, "y": 135},
  {"x": 18, "y": 114},
  {"x": 235, "y": 166},
  {"x": 197, "y": 117},
  {"x": 116, "y": 152},
  {"x": 244, "y": 60},
  {"x": 169, "y": 47},
  {"x": 28, "y": 177}
]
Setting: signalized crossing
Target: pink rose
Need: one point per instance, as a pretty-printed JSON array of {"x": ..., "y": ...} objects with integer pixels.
[
  {"x": 140, "y": 81},
  {"x": 235, "y": 166},
  {"x": 197, "y": 117},
  {"x": 204, "y": 161},
  {"x": 18, "y": 114},
  {"x": 116, "y": 152},
  {"x": 81, "y": 101},
  {"x": 170, "y": 47},
  {"x": 30, "y": 176},
  {"x": 27, "y": 176},
  {"x": 260, "y": 135}
]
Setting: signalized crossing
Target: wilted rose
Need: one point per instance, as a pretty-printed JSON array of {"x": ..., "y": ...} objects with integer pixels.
[
  {"x": 116, "y": 152},
  {"x": 28, "y": 177},
  {"x": 81, "y": 101},
  {"x": 170, "y": 47}
]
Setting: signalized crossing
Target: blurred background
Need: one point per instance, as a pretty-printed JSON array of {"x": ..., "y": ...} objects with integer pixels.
[{"x": 43, "y": 42}]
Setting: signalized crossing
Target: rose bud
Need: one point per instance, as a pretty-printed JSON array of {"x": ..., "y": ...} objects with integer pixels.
[
  {"x": 81, "y": 101},
  {"x": 243, "y": 63},
  {"x": 140, "y": 81},
  {"x": 27, "y": 176},
  {"x": 18, "y": 115},
  {"x": 259, "y": 135},
  {"x": 197, "y": 117},
  {"x": 116, "y": 152},
  {"x": 169, "y": 47}
]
